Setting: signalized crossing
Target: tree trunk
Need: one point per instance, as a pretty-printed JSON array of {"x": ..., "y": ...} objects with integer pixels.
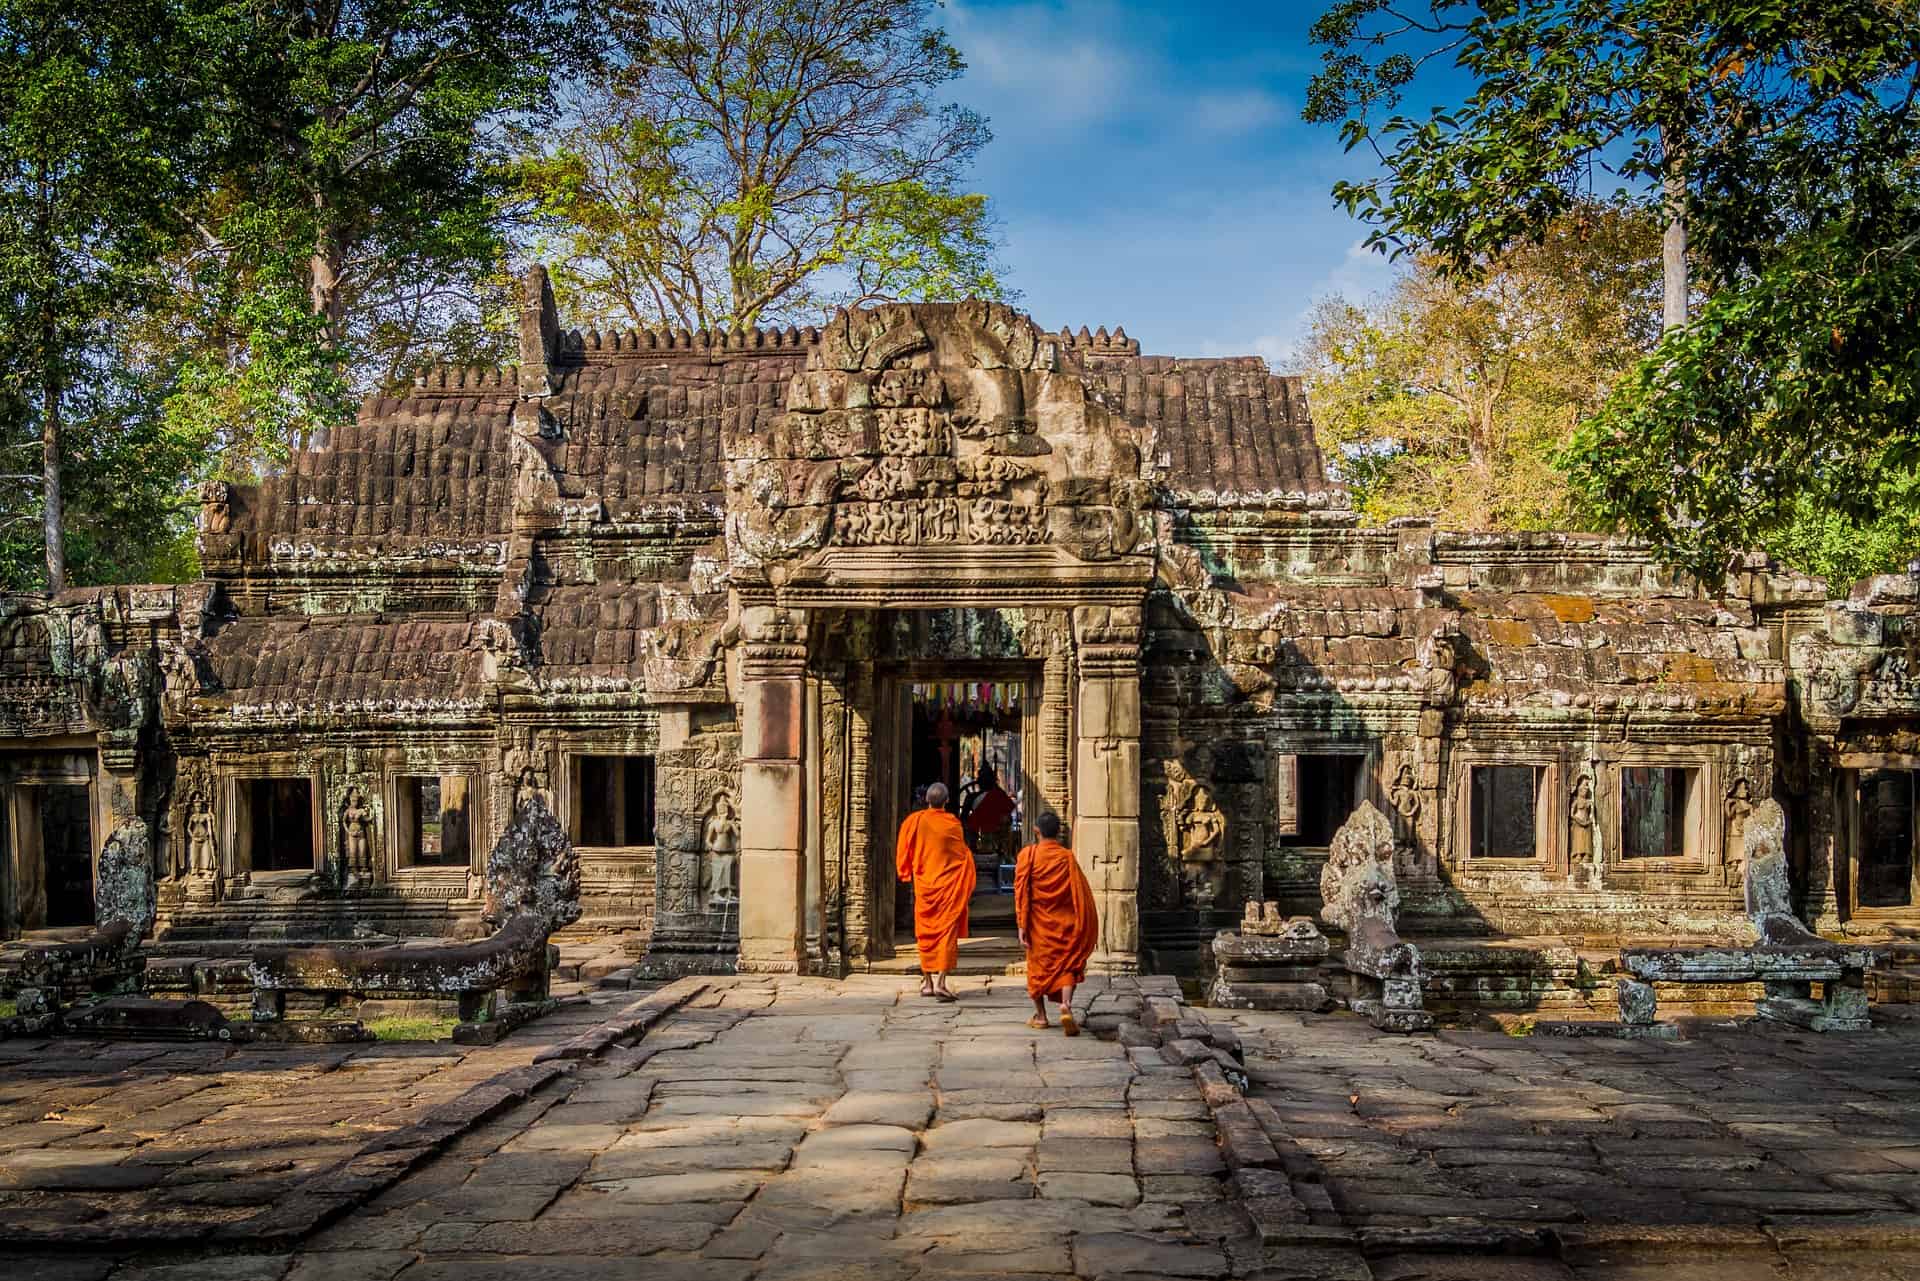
[
  {"x": 52, "y": 513},
  {"x": 325, "y": 289},
  {"x": 1673, "y": 245}
]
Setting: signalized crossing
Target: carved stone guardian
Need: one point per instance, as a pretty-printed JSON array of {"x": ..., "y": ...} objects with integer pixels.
[{"x": 1362, "y": 898}]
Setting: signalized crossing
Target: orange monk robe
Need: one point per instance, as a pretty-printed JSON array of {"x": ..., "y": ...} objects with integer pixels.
[
  {"x": 932, "y": 853},
  {"x": 1054, "y": 907}
]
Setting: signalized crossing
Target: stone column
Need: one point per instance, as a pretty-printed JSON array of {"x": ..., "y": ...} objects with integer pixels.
[
  {"x": 772, "y": 791},
  {"x": 1106, "y": 763}
]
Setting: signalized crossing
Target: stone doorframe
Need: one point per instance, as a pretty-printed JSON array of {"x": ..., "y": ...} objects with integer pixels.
[{"x": 779, "y": 750}]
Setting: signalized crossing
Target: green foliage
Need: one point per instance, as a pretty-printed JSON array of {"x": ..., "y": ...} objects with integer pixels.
[
  {"x": 93, "y": 138},
  {"x": 398, "y": 1028},
  {"x": 1784, "y": 415},
  {"x": 221, "y": 221},
  {"x": 1780, "y": 415},
  {"x": 1450, "y": 397},
  {"x": 350, "y": 222},
  {"x": 756, "y": 161}
]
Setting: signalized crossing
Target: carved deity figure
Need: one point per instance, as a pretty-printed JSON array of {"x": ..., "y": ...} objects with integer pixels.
[
  {"x": 1580, "y": 815},
  {"x": 721, "y": 840},
  {"x": 356, "y": 835},
  {"x": 1739, "y": 807},
  {"x": 527, "y": 789},
  {"x": 203, "y": 849},
  {"x": 1405, "y": 795},
  {"x": 1203, "y": 838},
  {"x": 216, "y": 510}
]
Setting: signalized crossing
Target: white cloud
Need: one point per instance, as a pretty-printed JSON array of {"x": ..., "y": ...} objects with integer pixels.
[
  {"x": 1042, "y": 67},
  {"x": 1233, "y": 111}
]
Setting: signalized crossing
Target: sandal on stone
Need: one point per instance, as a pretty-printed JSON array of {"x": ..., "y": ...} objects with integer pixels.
[
  {"x": 944, "y": 996},
  {"x": 1037, "y": 1022},
  {"x": 1067, "y": 1024}
]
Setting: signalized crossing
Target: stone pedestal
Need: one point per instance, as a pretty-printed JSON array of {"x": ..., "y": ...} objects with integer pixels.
[{"x": 1269, "y": 964}]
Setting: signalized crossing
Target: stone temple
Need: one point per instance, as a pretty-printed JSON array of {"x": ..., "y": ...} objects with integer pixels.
[{"x": 725, "y": 601}]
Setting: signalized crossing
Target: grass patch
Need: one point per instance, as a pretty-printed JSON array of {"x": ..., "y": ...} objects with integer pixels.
[
  {"x": 402, "y": 1029},
  {"x": 8, "y": 1009}
]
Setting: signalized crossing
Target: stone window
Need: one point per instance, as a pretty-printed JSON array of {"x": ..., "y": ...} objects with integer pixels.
[
  {"x": 612, "y": 801},
  {"x": 1656, "y": 809},
  {"x": 1886, "y": 863},
  {"x": 1505, "y": 811},
  {"x": 1316, "y": 795},
  {"x": 276, "y": 823},
  {"x": 434, "y": 821}
]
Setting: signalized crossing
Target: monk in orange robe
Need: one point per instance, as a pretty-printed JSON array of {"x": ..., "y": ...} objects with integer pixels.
[
  {"x": 933, "y": 856},
  {"x": 1059, "y": 924}
]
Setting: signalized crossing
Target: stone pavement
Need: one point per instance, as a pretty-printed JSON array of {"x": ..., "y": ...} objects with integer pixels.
[
  {"x": 113, "y": 1140},
  {"x": 802, "y": 1128},
  {"x": 1741, "y": 1136}
]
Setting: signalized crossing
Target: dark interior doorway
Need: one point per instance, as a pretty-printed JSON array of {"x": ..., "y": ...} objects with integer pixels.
[
  {"x": 66, "y": 845},
  {"x": 957, "y": 728},
  {"x": 282, "y": 815}
]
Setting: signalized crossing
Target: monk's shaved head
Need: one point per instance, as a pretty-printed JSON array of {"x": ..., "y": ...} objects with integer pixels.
[
  {"x": 937, "y": 796},
  {"x": 1048, "y": 825}
]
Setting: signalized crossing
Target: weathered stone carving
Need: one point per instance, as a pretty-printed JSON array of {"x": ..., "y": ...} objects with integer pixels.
[
  {"x": 875, "y": 451},
  {"x": 721, "y": 839},
  {"x": 1405, "y": 796},
  {"x": 1196, "y": 835},
  {"x": 203, "y": 847},
  {"x": 1786, "y": 959},
  {"x": 1738, "y": 807},
  {"x": 533, "y": 872},
  {"x": 533, "y": 889},
  {"x": 356, "y": 839},
  {"x": 1362, "y": 898},
  {"x": 1271, "y": 964}
]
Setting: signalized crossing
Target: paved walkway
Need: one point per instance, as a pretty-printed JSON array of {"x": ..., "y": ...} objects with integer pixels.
[
  {"x": 1737, "y": 1129},
  {"x": 801, "y": 1128},
  {"x": 103, "y": 1139}
]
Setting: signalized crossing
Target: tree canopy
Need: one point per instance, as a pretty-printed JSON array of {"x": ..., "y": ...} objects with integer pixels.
[
  {"x": 1778, "y": 139},
  {"x": 94, "y": 144},
  {"x": 761, "y": 160},
  {"x": 1451, "y": 397}
]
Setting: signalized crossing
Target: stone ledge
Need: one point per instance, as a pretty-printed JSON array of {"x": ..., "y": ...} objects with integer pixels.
[{"x": 633, "y": 1020}]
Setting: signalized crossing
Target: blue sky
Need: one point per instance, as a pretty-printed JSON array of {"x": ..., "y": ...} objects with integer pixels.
[{"x": 1150, "y": 168}]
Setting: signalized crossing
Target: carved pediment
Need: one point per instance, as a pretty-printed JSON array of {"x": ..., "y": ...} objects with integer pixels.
[{"x": 935, "y": 425}]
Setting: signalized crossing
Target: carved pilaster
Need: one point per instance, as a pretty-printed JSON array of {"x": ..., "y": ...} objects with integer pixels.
[
  {"x": 1106, "y": 790},
  {"x": 773, "y": 790}
]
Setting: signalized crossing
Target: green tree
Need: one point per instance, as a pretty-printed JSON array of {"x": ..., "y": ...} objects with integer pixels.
[
  {"x": 1777, "y": 138},
  {"x": 93, "y": 149},
  {"x": 352, "y": 227},
  {"x": 757, "y": 160},
  {"x": 1450, "y": 396}
]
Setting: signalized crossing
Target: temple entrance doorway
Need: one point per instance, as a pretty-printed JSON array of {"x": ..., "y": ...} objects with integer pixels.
[
  {"x": 49, "y": 849},
  {"x": 971, "y": 730}
]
